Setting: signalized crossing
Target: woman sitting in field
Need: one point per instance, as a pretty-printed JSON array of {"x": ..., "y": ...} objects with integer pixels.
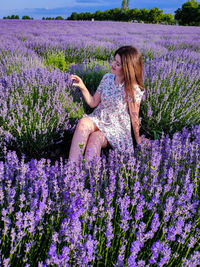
[{"x": 117, "y": 101}]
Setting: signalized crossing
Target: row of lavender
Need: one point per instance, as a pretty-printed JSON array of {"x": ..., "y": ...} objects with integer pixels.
[
  {"x": 100, "y": 216},
  {"x": 26, "y": 41}
]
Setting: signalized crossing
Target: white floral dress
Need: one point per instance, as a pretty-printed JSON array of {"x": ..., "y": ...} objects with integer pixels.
[{"x": 111, "y": 116}]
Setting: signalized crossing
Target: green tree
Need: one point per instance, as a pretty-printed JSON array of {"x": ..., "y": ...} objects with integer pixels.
[
  {"x": 26, "y": 17},
  {"x": 155, "y": 15},
  {"x": 117, "y": 14},
  {"x": 81, "y": 16},
  {"x": 59, "y": 18},
  {"x": 74, "y": 16},
  {"x": 169, "y": 18},
  {"x": 14, "y": 17},
  {"x": 125, "y": 5},
  {"x": 106, "y": 15},
  {"x": 88, "y": 16},
  {"x": 98, "y": 15},
  {"x": 143, "y": 14},
  {"x": 189, "y": 13},
  {"x": 132, "y": 14}
]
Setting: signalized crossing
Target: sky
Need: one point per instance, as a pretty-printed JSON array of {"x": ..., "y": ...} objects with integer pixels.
[{"x": 53, "y": 8}]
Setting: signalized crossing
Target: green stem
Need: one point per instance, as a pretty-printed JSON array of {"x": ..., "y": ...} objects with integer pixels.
[
  {"x": 149, "y": 220},
  {"x": 11, "y": 255},
  {"x": 106, "y": 256}
]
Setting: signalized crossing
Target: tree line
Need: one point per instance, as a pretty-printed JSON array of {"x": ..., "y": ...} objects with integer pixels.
[
  {"x": 154, "y": 15},
  {"x": 188, "y": 14},
  {"x": 17, "y": 17},
  {"x": 27, "y": 17}
]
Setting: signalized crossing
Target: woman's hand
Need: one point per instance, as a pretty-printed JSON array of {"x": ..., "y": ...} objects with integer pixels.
[
  {"x": 78, "y": 82},
  {"x": 89, "y": 99}
]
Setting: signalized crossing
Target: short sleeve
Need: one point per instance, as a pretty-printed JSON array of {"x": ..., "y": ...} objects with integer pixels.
[
  {"x": 138, "y": 94},
  {"x": 102, "y": 84}
]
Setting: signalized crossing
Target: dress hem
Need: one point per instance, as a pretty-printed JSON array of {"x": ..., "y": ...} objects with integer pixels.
[{"x": 97, "y": 124}]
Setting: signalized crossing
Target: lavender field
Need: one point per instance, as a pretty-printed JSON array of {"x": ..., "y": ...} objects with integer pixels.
[{"x": 125, "y": 209}]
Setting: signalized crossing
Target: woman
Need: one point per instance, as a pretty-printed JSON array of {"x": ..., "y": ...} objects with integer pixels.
[{"x": 117, "y": 101}]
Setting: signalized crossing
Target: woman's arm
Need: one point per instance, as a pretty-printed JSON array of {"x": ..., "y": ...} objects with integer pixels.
[
  {"x": 92, "y": 101},
  {"x": 134, "y": 109}
]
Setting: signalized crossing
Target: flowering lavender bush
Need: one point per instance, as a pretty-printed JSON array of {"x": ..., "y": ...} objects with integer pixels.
[
  {"x": 36, "y": 108},
  {"x": 172, "y": 100},
  {"x": 82, "y": 52},
  {"x": 124, "y": 210},
  {"x": 15, "y": 60}
]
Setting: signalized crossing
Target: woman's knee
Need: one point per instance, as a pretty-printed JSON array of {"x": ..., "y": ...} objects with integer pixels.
[
  {"x": 85, "y": 124},
  {"x": 98, "y": 139}
]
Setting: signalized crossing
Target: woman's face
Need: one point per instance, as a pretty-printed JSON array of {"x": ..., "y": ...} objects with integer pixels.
[{"x": 117, "y": 66}]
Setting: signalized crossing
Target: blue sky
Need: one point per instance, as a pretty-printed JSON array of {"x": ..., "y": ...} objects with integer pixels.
[{"x": 52, "y": 8}]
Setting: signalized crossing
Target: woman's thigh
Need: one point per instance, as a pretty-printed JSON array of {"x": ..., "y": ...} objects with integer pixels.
[
  {"x": 86, "y": 123},
  {"x": 97, "y": 138}
]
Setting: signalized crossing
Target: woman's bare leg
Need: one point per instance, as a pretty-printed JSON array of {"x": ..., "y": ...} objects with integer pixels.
[
  {"x": 95, "y": 143},
  {"x": 83, "y": 129}
]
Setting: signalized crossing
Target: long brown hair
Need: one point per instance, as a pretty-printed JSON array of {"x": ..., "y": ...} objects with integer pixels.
[{"x": 132, "y": 66}]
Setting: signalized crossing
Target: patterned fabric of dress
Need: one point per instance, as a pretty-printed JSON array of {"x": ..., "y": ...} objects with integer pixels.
[{"x": 111, "y": 115}]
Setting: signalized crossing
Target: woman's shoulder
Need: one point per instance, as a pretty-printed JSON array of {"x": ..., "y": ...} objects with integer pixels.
[
  {"x": 107, "y": 78},
  {"x": 108, "y": 75}
]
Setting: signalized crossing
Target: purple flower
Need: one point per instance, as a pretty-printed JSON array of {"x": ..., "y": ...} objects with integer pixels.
[
  {"x": 150, "y": 112},
  {"x": 54, "y": 258},
  {"x": 168, "y": 208},
  {"x": 120, "y": 258},
  {"x": 192, "y": 242},
  {"x": 155, "y": 223},
  {"x": 90, "y": 247},
  {"x": 135, "y": 248},
  {"x": 139, "y": 208},
  {"x": 194, "y": 260}
]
